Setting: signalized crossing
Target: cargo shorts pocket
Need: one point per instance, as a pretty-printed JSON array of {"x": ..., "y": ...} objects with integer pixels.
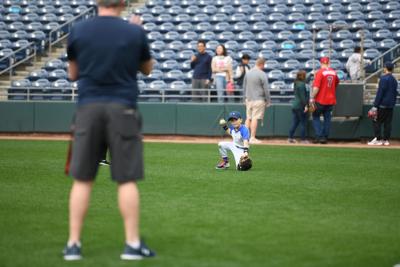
[{"x": 128, "y": 123}]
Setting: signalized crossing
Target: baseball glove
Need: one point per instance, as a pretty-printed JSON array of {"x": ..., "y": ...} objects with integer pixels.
[
  {"x": 245, "y": 163},
  {"x": 312, "y": 107},
  {"x": 373, "y": 113}
]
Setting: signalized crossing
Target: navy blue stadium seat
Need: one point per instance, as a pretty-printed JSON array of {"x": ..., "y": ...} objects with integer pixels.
[
  {"x": 386, "y": 44},
  {"x": 150, "y": 26},
  {"x": 343, "y": 34},
  {"x": 383, "y": 34},
  {"x": 280, "y": 8},
  {"x": 79, "y": 10},
  {"x": 323, "y": 35},
  {"x": 298, "y": 8},
  {"x": 355, "y": 15},
  {"x": 241, "y": 26},
  {"x": 155, "y": 36},
  {"x": 318, "y": 8},
  {"x": 262, "y": 8},
  {"x": 251, "y": 45},
  {"x": 207, "y": 36},
  {"x": 265, "y": 35},
  {"x": 341, "y": 75},
  {"x": 11, "y": 17},
  {"x": 364, "y": 32},
  {"x": 284, "y": 55},
  {"x": 303, "y": 35},
  {"x": 395, "y": 25},
  {"x": 200, "y": 18},
  {"x": 210, "y": 9},
  {"x": 232, "y": 45},
  {"x": 280, "y": 26},
  {"x": 173, "y": 75},
  {"x": 392, "y": 5},
  {"x": 296, "y": 16},
  {"x": 397, "y": 35},
  {"x": 212, "y": 45},
  {"x": 373, "y": 6},
  {"x": 306, "y": 44},
  {"x": 30, "y": 17},
  {"x": 305, "y": 54},
  {"x": 190, "y": 35},
  {"x": 185, "y": 55},
  {"x": 310, "y": 64},
  {"x": 181, "y": 18},
  {"x": 245, "y": 36},
  {"x": 34, "y": 26},
  {"x": 192, "y": 10},
  {"x": 299, "y": 26},
  {"x": 259, "y": 26},
  {"x": 345, "y": 54},
  {"x": 192, "y": 45},
  {"x": 227, "y": 9},
  {"x": 147, "y": 17},
  {"x": 64, "y": 10},
  {"x": 6, "y": 62},
  {"x": 205, "y": 2},
  {"x": 239, "y": 55},
  {"x": 175, "y": 10},
  {"x": 291, "y": 45},
  {"x": 273, "y": 17},
  {"x": 331, "y": 53},
  {"x": 267, "y": 54},
  {"x": 157, "y": 10},
  {"x": 21, "y": 34},
  {"x": 5, "y": 43},
  {"x": 57, "y": 74},
  {"x": 319, "y": 25},
  {"x": 371, "y": 53},
  {"x": 374, "y": 15},
  {"x": 54, "y": 64},
  {"x": 176, "y": 45},
  {"x": 355, "y": 7},
  {"x": 39, "y": 89},
  {"x": 336, "y": 64},
  {"x": 271, "y": 64},
  {"x": 184, "y": 27},
  {"x": 285, "y": 35},
  {"x": 291, "y": 64},
  {"x": 185, "y": 65},
  {"x": 165, "y": 27},
  {"x": 172, "y": 36},
  {"x": 335, "y": 7},
  {"x": 345, "y": 44},
  {"x": 247, "y": 9},
  {"x": 167, "y": 54},
  {"x": 222, "y": 26},
  {"x": 219, "y": 17},
  {"x": 395, "y": 14},
  {"x": 315, "y": 16},
  {"x": 203, "y": 27},
  {"x": 378, "y": 24},
  {"x": 275, "y": 75},
  {"x": 269, "y": 45},
  {"x": 18, "y": 89},
  {"x": 226, "y": 36},
  {"x": 325, "y": 44},
  {"x": 256, "y": 17}
]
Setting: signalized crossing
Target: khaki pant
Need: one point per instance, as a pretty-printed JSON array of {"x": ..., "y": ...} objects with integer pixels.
[{"x": 255, "y": 109}]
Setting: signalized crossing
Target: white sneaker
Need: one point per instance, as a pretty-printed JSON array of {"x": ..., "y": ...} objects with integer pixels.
[
  {"x": 255, "y": 141},
  {"x": 375, "y": 142},
  {"x": 386, "y": 143},
  {"x": 291, "y": 140}
]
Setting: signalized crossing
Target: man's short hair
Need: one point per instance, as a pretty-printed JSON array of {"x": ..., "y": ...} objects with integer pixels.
[
  {"x": 357, "y": 49},
  {"x": 201, "y": 42},
  {"x": 110, "y": 3},
  {"x": 389, "y": 66},
  {"x": 245, "y": 56},
  {"x": 260, "y": 61}
]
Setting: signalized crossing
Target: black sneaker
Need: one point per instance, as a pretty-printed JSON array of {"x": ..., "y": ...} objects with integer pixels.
[
  {"x": 315, "y": 141},
  {"x": 72, "y": 253},
  {"x": 142, "y": 252},
  {"x": 323, "y": 141}
]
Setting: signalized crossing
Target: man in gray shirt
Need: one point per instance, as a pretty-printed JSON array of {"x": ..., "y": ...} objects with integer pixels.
[{"x": 255, "y": 85}]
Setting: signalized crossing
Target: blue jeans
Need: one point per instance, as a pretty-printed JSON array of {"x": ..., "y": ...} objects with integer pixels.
[
  {"x": 299, "y": 117},
  {"x": 220, "y": 85},
  {"x": 322, "y": 131}
]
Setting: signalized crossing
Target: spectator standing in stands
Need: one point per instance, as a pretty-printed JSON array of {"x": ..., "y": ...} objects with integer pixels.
[
  {"x": 299, "y": 107},
  {"x": 385, "y": 101},
  {"x": 323, "y": 98},
  {"x": 201, "y": 64},
  {"x": 222, "y": 70},
  {"x": 241, "y": 71},
  {"x": 257, "y": 97},
  {"x": 104, "y": 54},
  {"x": 353, "y": 65}
]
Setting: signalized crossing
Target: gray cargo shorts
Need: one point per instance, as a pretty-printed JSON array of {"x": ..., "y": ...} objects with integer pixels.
[{"x": 101, "y": 126}]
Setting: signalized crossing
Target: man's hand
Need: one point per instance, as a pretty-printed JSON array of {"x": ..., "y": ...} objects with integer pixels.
[
  {"x": 222, "y": 122},
  {"x": 194, "y": 58}
]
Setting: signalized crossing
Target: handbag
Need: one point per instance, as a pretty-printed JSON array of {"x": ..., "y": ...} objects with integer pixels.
[{"x": 230, "y": 87}]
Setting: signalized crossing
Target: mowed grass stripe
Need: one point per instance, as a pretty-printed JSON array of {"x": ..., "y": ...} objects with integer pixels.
[{"x": 298, "y": 206}]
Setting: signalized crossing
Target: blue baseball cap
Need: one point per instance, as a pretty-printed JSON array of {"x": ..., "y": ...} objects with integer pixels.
[{"x": 234, "y": 115}]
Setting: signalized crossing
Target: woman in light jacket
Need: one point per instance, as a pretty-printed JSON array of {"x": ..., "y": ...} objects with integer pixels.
[{"x": 222, "y": 70}]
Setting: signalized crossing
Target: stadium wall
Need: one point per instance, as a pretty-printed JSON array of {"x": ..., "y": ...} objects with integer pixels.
[{"x": 177, "y": 119}]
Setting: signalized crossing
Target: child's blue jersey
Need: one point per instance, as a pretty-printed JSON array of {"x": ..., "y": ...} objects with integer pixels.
[{"x": 239, "y": 135}]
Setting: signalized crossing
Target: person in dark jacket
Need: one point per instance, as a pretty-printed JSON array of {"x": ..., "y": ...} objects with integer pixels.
[
  {"x": 201, "y": 65},
  {"x": 299, "y": 107},
  {"x": 384, "y": 103}
]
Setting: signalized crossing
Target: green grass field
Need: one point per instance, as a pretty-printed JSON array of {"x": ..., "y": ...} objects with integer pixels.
[{"x": 298, "y": 206}]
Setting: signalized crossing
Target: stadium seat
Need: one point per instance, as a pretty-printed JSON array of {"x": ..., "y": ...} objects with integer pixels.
[
  {"x": 172, "y": 36},
  {"x": 343, "y": 34},
  {"x": 157, "y": 10},
  {"x": 165, "y": 27},
  {"x": 315, "y": 16},
  {"x": 363, "y": 32},
  {"x": 157, "y": 45},
  {"x": 221, "y": 27},
  {"x": 319, "y": 25},
  {"x": 30, "y": 17},
  {"x": 225, "y": 36},
  {"x": 279, "y": 26},
  {"x": 251, "y": 45},
  {"x": 64, "y": 10},
  {"x": 5, "y": 43},
  {"x": 397, "y": 35},
  {"x": 6, "y": 62},
  {"x": 54, "y": 64},
  {"x": 247, "y": 9},
  {"x": 285, "y": 35},
  {"x": 173, "y": 75},
  {"x": 341, "y": 75},
  {"x": 323, "y": 35},
  {"x": 259, "y": 26},
  {"x": 203, "y": 27},
  {"x": 296, "y": 16},
  {"x": 392, "y": 5},
  {"x": 374, "y": 15},
  {"x": 264, "y": 35},
  {"x": 262, "y": 8},
  {"x": 305, "y": 54},
  {"x": 19, "y": 35},
  {"x": 79, "y": 10},
  {"x": 257, "y": 17},
  {"x": 18, "y": 89},
  {"x": 345, "y": 54},
  {"x": 331, "y": 53},
  {"x": 219, "y": 17},
  {"x": 147, "y": 17},
  {"x": 222, "y": 2},
  {"x": 395, "y": 25},
  {"x": 200, "y": 18},
  {"x": 176, "y": 45},
  {"x": 175, "y": 10},
  {"x": 178, "y": 87},
  {"x": 186, "y": 3},
  {"x": 273, "y": 17},
  {"x": 372, "y": 6},
  {"x": 185, "y": 55},
  {"x": 39, "y": 89},
  {"x": 318, "y": 8},
  {"x": 269, "y": 45},
  {"x": 155, "y": 36},
  {"x": 288, "y": 45},
  {"x": 299, "y": 26},
  {"x": 212, "y": 45},
  {"x": 167, "y": 54},
  {"x": 241, "y": 26},
  {"x": 395, "y": 14},
  {"x": 232, "y": 45},
  {"x": 311, "y": 64},
  {"x": 371, "y": 53},
  {"x": 227, "y": 9},
  {"x": 210, "y": 10},
  {"x": 276, "y": 75},
  {"x": 382, "y": 34},
  {"x": 335, "y": 7},
  {"x": 169, "y": 64},
  {"x": 355, "y": 7},
  {"x": 325, "y": 44},
  {"x": 249, "y": 52},
  {"x": 160, "y": 19},
  {"x": 345, "y": 44},
  {"x": 185, "y": 65},
  {"x": 267, "y": 54},
  {"x": 386, "y": 44},
  {"x": 57, "y": 74},
  {"x": 271, "y": 64},
  {"x": 205, "y": 2},
  {"x": 150, "y": 26},
  {"x": 378, "y": 24},
  {"x": 30, "y": 9},
  {"x": 299, "y": 8},
  {"x": 207, "y": 36},
  {"x": 284, "y": 55},
  {"x": 11, "y": 17},
  {"x": 190, "y": 35},
  {"x": 34, "y": 26},
  {"x": 192, "y": 45},
  {"x": 291, "y": 75},
  {"x": 303, "y": 35},
  {"x": 181, "y": 18},
  {"x": 280, "y": 8},
  {"x": 184, "y": 27},
  {"x": 291, "y": 64},
  {"x": 245, "y": 36},
  {"x": 336, "y": 64},
  {"x": 278, "y": 86},
  {"x": 306, "y": 44}
]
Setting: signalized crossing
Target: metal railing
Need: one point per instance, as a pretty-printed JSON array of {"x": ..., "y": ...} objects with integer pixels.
[
  {"x": 392, "y": 55},
  {"x": 61, "y": 33},
  {"x": 10, "y": 60}
]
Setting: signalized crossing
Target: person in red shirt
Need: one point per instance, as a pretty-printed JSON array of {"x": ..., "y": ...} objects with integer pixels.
[{"x": 323, "y": 98}]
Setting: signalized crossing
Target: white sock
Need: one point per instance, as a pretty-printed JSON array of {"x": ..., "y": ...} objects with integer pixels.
[{"x": 134, "y": 245}]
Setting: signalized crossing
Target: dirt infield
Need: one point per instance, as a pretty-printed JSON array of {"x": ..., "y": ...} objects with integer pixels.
[{"x": 199, "y": 140}]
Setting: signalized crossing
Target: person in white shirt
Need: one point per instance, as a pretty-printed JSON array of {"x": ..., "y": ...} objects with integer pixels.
[
  {"x": 221, "y": 66},
  {"x": 353, "y": 65}
]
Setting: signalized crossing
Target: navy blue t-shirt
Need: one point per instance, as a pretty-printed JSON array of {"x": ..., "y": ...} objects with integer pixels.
[{"x": 109, "y": 52}]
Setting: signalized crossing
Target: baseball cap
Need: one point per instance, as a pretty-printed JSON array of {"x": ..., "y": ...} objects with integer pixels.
[
  {"x": 234, "y": 115},
  {"x": 324, "y": 60},
  {"x": 389, "y": 65}
]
